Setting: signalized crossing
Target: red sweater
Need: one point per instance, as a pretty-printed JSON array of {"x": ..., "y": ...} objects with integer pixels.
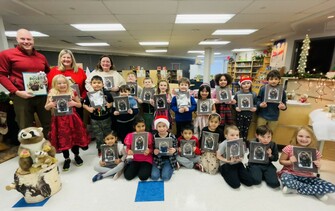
[
  {"x": 14, "y": 61},
  {"x": 197, "y": 146},
  {"x": 78, "y": 77}
]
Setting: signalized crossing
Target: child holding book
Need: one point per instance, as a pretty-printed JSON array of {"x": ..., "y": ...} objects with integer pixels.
[
  {"x": 189, "y": 162},
  {"x": 141, "y": 164},
  {"x": 224, "y": 109},
  {"x": 124, "y": 122},
  {"x": 164, "y": 165},
  {"x": 201, "y": 120},
  {"x": 303, "y": 182},
  {"x": 183, "y": 113},
  {"x": 100, "y": 117},
  {"x": 268, "y": 113},
  {"x": 164, "y": 88},
  {"x": 131, "y": 77},
  {"x": 244, "y": 117},
  {"x": 67, "y": 131},
  {"x": 265, "y": 171},
  {"x": 115, "y": 168},
  {"x": 232, "y": 169},
  {"x": 148, "y": 109},
  {"x": 208, "y": 159}
]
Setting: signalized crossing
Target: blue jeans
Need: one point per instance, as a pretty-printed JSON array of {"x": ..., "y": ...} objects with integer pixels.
[{"x": 165, "y": 173}]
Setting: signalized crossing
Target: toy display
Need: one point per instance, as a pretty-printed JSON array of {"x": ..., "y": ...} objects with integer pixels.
[{"x": 37, "y": 177}]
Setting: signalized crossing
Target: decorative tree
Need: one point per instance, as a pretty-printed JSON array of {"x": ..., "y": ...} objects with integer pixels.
[{"x": 303, "y": 55}]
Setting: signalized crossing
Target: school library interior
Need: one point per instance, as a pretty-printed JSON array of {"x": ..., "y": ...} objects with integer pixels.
[{"x": 167, "y": 104}]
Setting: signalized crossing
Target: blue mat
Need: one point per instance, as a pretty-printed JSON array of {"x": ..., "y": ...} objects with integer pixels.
[
  {"x": 150, "y": 191},
  {"x": 23, "y": 203}
]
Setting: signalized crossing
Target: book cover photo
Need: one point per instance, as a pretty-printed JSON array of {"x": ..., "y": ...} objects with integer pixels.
[
  {"x": 209, "y": 141},
  {"x": 139, "y": 143},
  {"x": 62, "y": 107},
  {"x": 187, "y": 148},
  {"x": 163, "y": 144}
]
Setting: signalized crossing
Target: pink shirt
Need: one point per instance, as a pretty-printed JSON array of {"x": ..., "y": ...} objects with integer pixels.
[
  {"x": 140, "y": 157},
  {"x": 289, "y": 169}
]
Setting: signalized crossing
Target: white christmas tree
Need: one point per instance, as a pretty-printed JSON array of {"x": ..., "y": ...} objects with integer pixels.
[{"x": 303, "y": 55}]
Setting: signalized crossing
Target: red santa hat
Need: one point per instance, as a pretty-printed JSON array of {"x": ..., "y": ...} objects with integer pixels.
[
  {"x": 163, "y": 119},
  {"x": 244, "y": 79}
]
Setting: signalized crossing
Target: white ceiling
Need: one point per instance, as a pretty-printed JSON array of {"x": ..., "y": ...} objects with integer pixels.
[{"x": 153, "y": 20}]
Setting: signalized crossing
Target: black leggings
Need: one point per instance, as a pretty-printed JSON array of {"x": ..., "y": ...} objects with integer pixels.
[
  {"x": 74, "y": 149},
  {"x": 136, "y": 168}
]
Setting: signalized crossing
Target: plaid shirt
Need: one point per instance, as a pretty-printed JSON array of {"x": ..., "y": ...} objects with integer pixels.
[{"x": 159, "y": 159}]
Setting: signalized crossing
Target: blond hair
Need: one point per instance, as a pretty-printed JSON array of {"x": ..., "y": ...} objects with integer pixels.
[
  {"x": 54, "y": 91},
  {"x": 228, "y": 128},
  {"x": 61, "y": 67},
  {"x": 313, "y": 143}
]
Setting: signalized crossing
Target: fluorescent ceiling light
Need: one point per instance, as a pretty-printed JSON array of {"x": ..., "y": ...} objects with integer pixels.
[
  {"x": 156, "y": 51},
  {"x": 203, "y": 18},
  {"x": 202, "y": 52},
  {"x": 242, "y": 49},
  {"x": 99, "y": 27},
  {"x": 202, "y": 56},
  {"x": 234, "y": 31},
  {"x": 92, "y": 44},
  {"x": 214, "y": 42},
  {"x": 34, "y": 33},
  {"x": 154, "y": 43}
]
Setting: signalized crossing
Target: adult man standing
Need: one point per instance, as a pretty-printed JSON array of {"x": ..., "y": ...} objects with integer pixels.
[{"x": 24, "y": 58}]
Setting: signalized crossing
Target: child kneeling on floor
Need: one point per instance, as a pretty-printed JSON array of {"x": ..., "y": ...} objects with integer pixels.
[
  {"x": 164, "y": 156},
  {"x": 138, "y": 164},
  {"x": 232, "y": 170}
]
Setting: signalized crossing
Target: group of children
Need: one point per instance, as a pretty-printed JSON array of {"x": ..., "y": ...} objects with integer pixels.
[{"x": 151, "y": 163}]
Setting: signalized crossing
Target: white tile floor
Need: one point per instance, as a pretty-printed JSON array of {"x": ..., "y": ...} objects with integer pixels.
[{"x": 187, "y": 190}]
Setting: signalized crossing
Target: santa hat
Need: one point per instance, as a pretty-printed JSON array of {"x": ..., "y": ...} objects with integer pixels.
[
  {"x": 163, "y": 119},
  {"x": 244, "y": 79}
]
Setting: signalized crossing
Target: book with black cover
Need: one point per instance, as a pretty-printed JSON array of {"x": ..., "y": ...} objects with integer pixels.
[
  {"x": 187, "y": 148},
  {"x": 62, "y": 107}
]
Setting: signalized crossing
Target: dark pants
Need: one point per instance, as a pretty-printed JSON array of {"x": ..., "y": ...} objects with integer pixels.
[
  {"x": 123, "y": 129},
  {"x": 140, "y": 169},
  {"x": 236, "y": 174},
  {"x": 267, "y": 172},
  {"x": 74, "y": 149},
  {"x": 243, "y": 121},
  {"x": 100, "y": 129},
  {"x": 180, "y": 126},
  {"x": 25, "y": 109}
]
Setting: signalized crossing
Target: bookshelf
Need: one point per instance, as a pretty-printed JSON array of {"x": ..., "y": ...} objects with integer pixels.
[
  {"x": 244, "y": 68},
  {"x": 259, "y": 78}
]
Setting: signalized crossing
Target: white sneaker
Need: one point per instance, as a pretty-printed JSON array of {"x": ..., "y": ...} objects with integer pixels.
[
  {"x": 322, "y": 197},
  {"x": 288, "y": 190}
]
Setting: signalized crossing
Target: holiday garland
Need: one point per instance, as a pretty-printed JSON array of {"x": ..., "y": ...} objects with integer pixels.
[{"x": 305, "y": 75}]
